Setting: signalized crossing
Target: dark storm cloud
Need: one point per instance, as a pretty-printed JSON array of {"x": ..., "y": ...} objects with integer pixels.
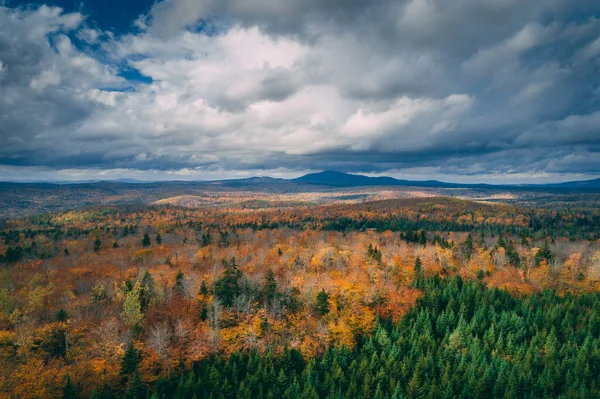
[{"x": 470, "y": 88}]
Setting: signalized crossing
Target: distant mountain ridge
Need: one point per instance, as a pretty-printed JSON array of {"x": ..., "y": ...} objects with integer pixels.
[
  {"x": 22, "y": 199},
  {"x": 594, "y": 183},
  {"x": 340, "y": 179},
  {"x": 326, "y": 178}
]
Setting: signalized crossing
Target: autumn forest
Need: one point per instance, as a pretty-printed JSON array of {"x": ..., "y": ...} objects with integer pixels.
[{"x": 405, "y": 298}]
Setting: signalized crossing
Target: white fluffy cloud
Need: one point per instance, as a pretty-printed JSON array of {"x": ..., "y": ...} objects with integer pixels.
[{"x": 358, "y": 86}]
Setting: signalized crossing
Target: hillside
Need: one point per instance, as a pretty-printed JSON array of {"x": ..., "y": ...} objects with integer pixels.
[{"x": 23, "y": 199}]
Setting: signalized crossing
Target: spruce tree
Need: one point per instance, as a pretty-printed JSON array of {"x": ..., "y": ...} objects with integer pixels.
[
  {"x": 131, "y": 360},
  {"x": 69, "y": 390},
  {"x": 97, "y": 244},
  {"x": 227, "y": 288},
  {"x": 270, "y": 286},
  {"x": 322, "y": 303},
  {"x": 146, "y": 240},
  {"x": 136, "y": 388},
  {"x": 419, "y": 275}
]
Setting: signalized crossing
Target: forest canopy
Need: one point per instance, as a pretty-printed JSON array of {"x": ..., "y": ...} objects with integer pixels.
[{"x": 432, "y": 297}]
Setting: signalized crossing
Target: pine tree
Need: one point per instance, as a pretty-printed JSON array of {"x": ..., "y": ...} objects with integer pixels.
[
  {"x": 146, "y": 290},
  {"x": 270, "y": 286},
  {"x": 224, "y": 240},
  {"x": 97, "y": 244},
  {"x": 61, "y": 315},
  {"x": 422, "y": 238},
  {"x": 227, "y": 288},
  {"x": 132, "y": 308},
  {"x": 467, "y": 247},
  {"x": 146, "y": 240},
  {"x": 203, "y": 288},
  {"x": 158, "y": 239},
  {"x": 206, "y": 239},
  {"x": 131, "y": 360},
  {"x": 419, "y": 275},
  {"x": 136, "y": 388},
  {"x": 69, "y": 390},
  {"x": 322, "y": 303}
]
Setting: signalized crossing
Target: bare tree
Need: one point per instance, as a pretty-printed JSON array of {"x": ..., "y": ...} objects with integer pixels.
[
  {"x": 159, "y": 339},
  {"x": 182, "y": 330},
  {"x": 108, "y": 337},
  {"x": 277, "y": 308},
  {"x": 24, "y": 338},
  {"x": 214, "y": 316},
  {"x": 242, "y": 304}
]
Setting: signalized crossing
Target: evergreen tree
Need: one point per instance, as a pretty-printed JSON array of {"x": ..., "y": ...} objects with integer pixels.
[
  {"x": 203, "y": 288},
  {"x": 206, "y": 239},
  {"x": 146, "y": 290},
  {"x": 224, "y": 240},
  {"x": 422, "y": 238},
  {"x": 467, "y": 247},
  {"x": 61, "y": 315},
  {"x": 14, "y": 254},
  {"x": 227, "y": 288},
  {"x": 136, "y": 388},
  {"x": 419, "y": 275},
  {"x": 544, "y": 253},
  {"x": 322, "y": 305},
  {"x": 146, "y": 240},
  {"x": 97, "y": 244},
  {"x": 270, "y": 286},
  {"x": 131, "y": 360},
  {"x": 69, "y": 390}
]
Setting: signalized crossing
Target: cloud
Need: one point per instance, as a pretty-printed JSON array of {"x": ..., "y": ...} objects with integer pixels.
[
  {"x": 473, "y": 87},
  {"x": 45, "y": 81}
]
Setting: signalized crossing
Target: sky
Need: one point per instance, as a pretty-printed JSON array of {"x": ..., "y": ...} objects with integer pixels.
[{"x": 495, "y": 91}]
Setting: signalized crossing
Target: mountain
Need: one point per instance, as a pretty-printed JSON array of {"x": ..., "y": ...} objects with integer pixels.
[
  {"x": 22, "y": 199},
  {"x": 582, "y": 184},
  {"x": 326, "y": 178},
  {"x": 340, "y": 179}
]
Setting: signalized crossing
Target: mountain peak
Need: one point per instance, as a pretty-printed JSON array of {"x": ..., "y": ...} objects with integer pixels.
[{"x": 341, "y": 179}]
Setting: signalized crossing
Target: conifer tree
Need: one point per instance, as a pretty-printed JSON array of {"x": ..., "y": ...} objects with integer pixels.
[
  {"x": 136, "y": 388},
  {"x": 97, "y": 244},
  {"x": 146, "y": 240},
  {"x": 227, "y": 288},
  {"x": 270, "y": 286},
  {"x": 322, "y": 305},
  {"x": 69, "y": 390},
  {"x": 131, "y": 360}
]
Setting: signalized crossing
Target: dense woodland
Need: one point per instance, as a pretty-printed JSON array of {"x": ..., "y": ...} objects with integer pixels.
[{"x": 402, "y": 298}]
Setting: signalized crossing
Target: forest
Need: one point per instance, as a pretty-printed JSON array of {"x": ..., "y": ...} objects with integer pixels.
[{"x": 405, "y": 298}]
